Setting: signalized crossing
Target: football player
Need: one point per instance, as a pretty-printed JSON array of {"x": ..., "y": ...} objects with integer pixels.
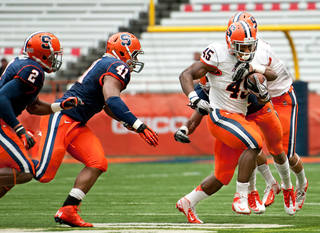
[
  {"x": 285, "y": 103},
  {"x": 237, "y": 143},
  {"x": 99, "y": 88},
  {"x": 255, "y": 110},
  {"x": 20, "y": 85}
]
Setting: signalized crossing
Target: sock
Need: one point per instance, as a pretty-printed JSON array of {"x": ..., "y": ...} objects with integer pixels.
[
  {"x": 265, "y": 172},
  {"x": 75, "y": 197},
  {"x": 242, "y": 188},
  {"x": 252, "y": 181},
  {"x": 196, "y": 196},
  {"x": 284, "y": 173},
  {"x": 301, "y": 179}
]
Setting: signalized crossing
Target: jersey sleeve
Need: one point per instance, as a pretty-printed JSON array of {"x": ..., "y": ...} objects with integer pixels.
[
  {"x": 6, "y": 94},
  {"x": 32, "y": 76},
  {"x": 210, "y": 55},
  {"x": 120, "y": 71}
]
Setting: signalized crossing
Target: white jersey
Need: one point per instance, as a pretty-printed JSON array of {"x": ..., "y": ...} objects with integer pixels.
[
  {"x": 265, "y": 56},
  {"x": 224, "y": 93}
]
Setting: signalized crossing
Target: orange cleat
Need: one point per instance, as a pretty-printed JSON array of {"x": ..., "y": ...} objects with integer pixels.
[{"x": 69, "y": 215}]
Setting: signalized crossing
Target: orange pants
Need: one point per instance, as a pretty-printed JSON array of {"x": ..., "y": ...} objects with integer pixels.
[
  {"x": 12, "y": 151},
  {"x": 60, "y": 133},
  {"x": 235, "y": 135},
  {"x": 286, "y": 106},
  {"x": 270, "y": 127}
]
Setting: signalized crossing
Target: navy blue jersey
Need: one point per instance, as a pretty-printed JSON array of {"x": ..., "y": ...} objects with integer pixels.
[
  {"x": 20, "y": 85},
  {"x": 89, "y": 87},
  {"x": 253, "y": 107},
  {"x": 201, "y": 93}
]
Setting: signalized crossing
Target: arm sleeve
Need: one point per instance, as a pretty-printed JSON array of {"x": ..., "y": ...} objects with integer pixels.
[
  {"x": 6, "y": 94},
  {"x": 120, "y": 110}
]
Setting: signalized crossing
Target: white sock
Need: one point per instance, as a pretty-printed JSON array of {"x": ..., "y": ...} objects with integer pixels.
[
  {"x": 301, "y": 179},
  {"x": 284, "y": 173},
  {"x": 265, "y": 172},
  {"x": 252, "y": 181},
  {"x": 242, "y": 188},
  {"x": 77, "y": 193},
  {"x": 196, "y": 196}
]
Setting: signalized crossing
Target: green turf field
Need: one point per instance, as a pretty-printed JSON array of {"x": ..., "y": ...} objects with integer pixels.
[{"x": 144, "y": 195}]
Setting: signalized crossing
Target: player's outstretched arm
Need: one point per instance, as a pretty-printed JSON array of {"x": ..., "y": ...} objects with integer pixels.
[
  {"x": 39, "y": 107},
  {"x": 188, "y": 128},
  {"x": 111, "y": 92}
]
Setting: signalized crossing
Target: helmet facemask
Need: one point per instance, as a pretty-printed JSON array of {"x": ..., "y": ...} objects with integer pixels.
[{"x": 238, "y": 52}]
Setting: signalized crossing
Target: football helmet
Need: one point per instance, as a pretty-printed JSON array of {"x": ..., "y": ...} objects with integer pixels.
[
  {"x": 126, "y": 47},
  {"x": 241, "y": 40},
  {"x": 244, "y": 16},
  {"x": 44, "y": 48}
]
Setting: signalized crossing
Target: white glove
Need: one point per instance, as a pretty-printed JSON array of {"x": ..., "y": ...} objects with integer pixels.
[
  {"x": 181, "y": 136},
  {"x": 241, "y": 71},
  {"x": 259, "y": 89},
  {"x": 201, "y": 106}
]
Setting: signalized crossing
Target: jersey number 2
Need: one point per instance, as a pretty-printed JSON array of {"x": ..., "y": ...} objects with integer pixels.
[{"x": 32, "y": 77}]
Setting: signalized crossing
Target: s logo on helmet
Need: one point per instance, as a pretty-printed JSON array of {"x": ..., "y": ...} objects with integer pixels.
[
  {"x": 45, "y": 40},
  {"x": 125, "y": 40}
]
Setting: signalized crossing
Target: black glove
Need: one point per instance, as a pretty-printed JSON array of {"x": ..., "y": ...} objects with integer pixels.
[
  {"x": 26, "y": 137},
  {"x": 148, "y": 135},
  {"x": 242, "y": 70},
  {"x": 181, "y": 136},
  {"x": 201, "y": 106},
  {"x": 71, "y": 102}
]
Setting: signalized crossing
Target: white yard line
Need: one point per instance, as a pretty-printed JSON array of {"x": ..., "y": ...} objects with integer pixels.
[{"x": 152, "y": 228}]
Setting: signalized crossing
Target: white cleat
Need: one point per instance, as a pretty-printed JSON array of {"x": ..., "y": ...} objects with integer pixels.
[
  {"x": 183, "y": 205},
  {"x": 289, "y": 200},
  {"x": 300, "y": 196},
  {"x": 269, "y": 194},
  {"x": 240, "y": 204},
  {"x": 255, "y": 203}
]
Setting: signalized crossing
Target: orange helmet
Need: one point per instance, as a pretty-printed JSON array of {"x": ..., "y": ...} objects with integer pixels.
[
  {"x": 238, "y": 35},
  {"x": 244, "y": 16},
  {"x": 44, "y": 48},
  {"x": 126, "y": 47}
]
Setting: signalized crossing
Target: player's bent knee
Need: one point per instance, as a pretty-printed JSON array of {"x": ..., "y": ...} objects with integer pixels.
[
  {"x": 101, "y": 164},
  {"x": 225, "y": 178}
]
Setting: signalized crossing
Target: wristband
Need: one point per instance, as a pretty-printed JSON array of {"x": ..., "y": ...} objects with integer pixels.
[
  {"x": 185, "y": 128},
  {"x": 258, "y": 68},
  {"x": 193, "y": 96},
  {"x": 55, "y": 107},
  {"x": 137, "y": 124}
]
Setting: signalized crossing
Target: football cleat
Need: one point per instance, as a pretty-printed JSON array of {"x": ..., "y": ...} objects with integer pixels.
[
  {"x": 300, "y": 196},
  {"x": 68, "y": 215},
  {"x": 269, "y": 194},
  {"x": 240, "y": 204},
  {"x": 183, "y": 205},
  {"x": 289, "y": 200},
  {"x": 255, "y": 203}
]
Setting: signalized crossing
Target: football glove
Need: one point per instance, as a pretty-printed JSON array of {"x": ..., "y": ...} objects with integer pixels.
[
  {"x": 242, "y": 70},
  {"x": 201, "y": 106},
  {"x": 181, "y": 136},
  {"x": 148, "y": 135},
  {"x": 26, "y": 137},
  {"x": 71, "y": 102},
  {"x": 259, "y": 89}
]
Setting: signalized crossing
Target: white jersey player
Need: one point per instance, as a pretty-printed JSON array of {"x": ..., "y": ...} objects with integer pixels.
[{"x": 285, "y": 103}]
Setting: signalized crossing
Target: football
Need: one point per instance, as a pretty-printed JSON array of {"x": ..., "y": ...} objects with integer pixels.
[{"x": 260, "y": 77}]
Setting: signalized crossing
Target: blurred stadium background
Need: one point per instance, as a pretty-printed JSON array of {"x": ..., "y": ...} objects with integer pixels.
[{"x": 170, "y": 32}]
